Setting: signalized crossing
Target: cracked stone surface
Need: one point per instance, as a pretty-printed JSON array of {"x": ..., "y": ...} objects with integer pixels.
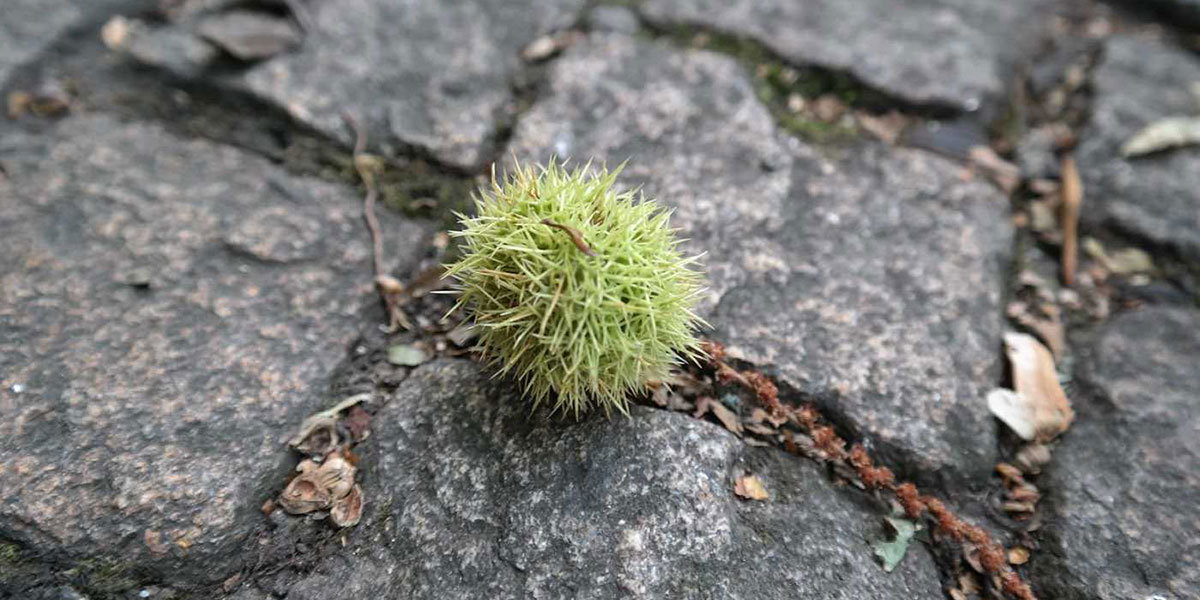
[
  {"x": 436, "y": 77},
  {"x": 870, "y": 281},
  {"x": 953, "y": 53},
  {"x": 171, "y": 309},
  {"x": 1125, "y": 480},
  {"x": 168, "y": 309},
  {"x": 469, "y": 498},
  {"x": 1155, "y": 198}
]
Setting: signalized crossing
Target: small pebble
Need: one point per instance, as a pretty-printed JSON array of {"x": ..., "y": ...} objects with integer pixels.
[{"x": 17, "y": 388}]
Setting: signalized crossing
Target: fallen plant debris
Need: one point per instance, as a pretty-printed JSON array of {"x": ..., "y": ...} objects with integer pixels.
[
  {"x": 548, "y": 46},
  {"x": 49, "y": 100},
  {"x": 1035, "y": 309},
  {"x": 1164, "y": 134},
  {"x": 891, "y": 551},
  {"x": 1034, "y": 377},
  {"x": 407, "y": 355},
  {"x": 750, "y": 487},
  {"x": 326, "y": 476},
  {"x": 1123, "y": 262},
  {"x": 328, "y": 485},
  {"x": 1003, "y": 173},
  {"x": 318, "y": 434},
  {"x": 887, "y": 127},
  {"x": 391, "y": 291},
  {"x": 1072, "y": 199},
  {"x": 802, "y": 430}
]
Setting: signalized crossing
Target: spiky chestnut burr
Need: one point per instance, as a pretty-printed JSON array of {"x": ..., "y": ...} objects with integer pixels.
[{"x": 578, "y": 290}]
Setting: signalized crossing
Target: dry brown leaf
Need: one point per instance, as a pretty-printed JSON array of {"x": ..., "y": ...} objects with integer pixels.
[
  {"x": 750, "y": 487},
  {"x": 1036, "y": 382},
  {"x": 1072, "y": 199},
  {"x": 1009, "y": 473},
  {"x": 727, "y": 417},
  {"x": 347, "y": 510}
]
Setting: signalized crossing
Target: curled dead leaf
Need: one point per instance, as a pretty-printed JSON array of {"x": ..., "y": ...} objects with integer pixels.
[
  {"x": 727, "y": 417},
  {"x": 706, "y": 404},
  {"x": 318, "y": 486},
  {"x": 1035, "y": 378},
  {"x": 1038, "y": 409},
  {"x": 347, "y": 510},
  {"x": 317, "y": 435},
  {"x": 750, "y": 487},
  {"x": 1018, "y": 555}
]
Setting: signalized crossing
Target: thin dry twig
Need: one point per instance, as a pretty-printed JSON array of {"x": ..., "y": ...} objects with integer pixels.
[
  {"x": 576, "y": 237},
  {"x": 390, "y": 289},
  {"x": 1072, "y": 198}
]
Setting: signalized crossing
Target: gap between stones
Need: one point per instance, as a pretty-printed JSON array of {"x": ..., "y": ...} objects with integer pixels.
[
  {"x": 244, "y": 121},
  {"x": 770, "y": 73}
]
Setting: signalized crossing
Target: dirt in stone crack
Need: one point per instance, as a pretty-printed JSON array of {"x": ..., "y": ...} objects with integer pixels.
[{"x": 749, "y": 406}]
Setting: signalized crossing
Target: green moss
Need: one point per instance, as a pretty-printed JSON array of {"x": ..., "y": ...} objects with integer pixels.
[
  {"x": 10, "y": 553},
  {"x": 816, "y": 131},
  {"x": 775, "y": 81},
  {"x": 104, "y": 576},
  {"x": 578, "y": 290}
]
